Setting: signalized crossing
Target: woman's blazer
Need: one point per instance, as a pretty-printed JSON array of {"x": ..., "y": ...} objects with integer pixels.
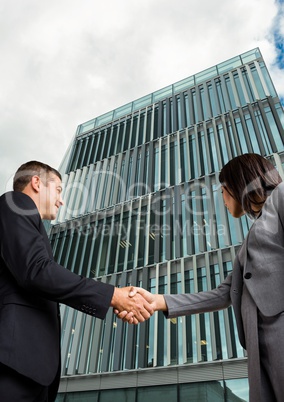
[{"x": 259, "y": 264}]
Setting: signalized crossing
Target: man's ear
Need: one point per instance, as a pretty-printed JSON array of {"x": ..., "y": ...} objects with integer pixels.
[{"x": 35, "y": 183}]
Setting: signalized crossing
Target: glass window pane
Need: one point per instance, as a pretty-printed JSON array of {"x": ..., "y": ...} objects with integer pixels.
[
  {"x": 148, "y": 125},
  {"x": 156, "y": 169},
  {"x": 193, "y": 157},
  {"x": 104, "y": 118},
  {"x": 187, "y": 114},
  {"x": 220, "y": 95},
  {"x": 139, "y": 103},
  {"x": 212, "y": 391},
  {"x": 223, "y": 144},
  {"x": 212, "y": 100},
  {"x": 212, "y": 149},
  {"x": 166, "y": 393},
  {"x": 87, "y": 396},
  {"x": 191, "y": 340},
  {"x": 206, "y": 74},
  {"x": 122, "y": 110},
  {"x": 87, "y": 126},
  {"x": 220, "y": 225},
  {"x": 125, "y": 395},
  {"x": 274, "y": 129},
  {"x": 230, "y": 92},
  {"x": 164, "y": 167},
  {"x": 206, "y": 113},
  {"x": 185, "y": 83},
  {"x": 237, "y": 388},
  {"x": 173, "y": 163},
  {"x": 113, "y": 248},
  {"x": 248, "y": 85},
  {"x": 132, "y": 239},
  {"x": 141, "y": 236},
  {"x": 263, "y": 132},
  {"x": 279, "y": 110},
  {"x": 252, "y": 134},
  {"x": 162, "y": 328},
  {"x": 267, "y": 79},
  {"x": 257, "y": 82},
  {"x": 60, "y": 398},
  {"x": 229, "y": 65},
  {"x": 162, "y": 93},
  {"x": 250, "y": 55},
  {"x": 194, "y": 104},
  {"x": 239, "y": 89},
  {"x": 241, "y": 135}
]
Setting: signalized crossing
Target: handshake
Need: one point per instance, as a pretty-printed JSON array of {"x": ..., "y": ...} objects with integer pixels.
[{"x": 134, "y": 305}]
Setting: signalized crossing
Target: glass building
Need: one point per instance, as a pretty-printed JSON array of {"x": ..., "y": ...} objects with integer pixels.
[{"x": 143, "y": 207}]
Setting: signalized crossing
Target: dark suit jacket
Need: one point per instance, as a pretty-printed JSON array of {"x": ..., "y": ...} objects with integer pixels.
[
  {"x": 31, "y": 286},
  {"x": 259, "y": 264}
]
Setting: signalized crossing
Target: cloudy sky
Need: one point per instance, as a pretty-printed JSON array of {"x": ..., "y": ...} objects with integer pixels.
[{"x": 64, "y": 62}]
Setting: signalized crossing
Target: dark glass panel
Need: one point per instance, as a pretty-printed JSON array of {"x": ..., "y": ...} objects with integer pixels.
[
  {"x": 118, "y": 395},
  {"x": 202, "y": 392},
  {"x": 127, "y": 134},
  {"x": 257, "y": 81},
  {"x": 248, "y": 85},
  {"x": 162, "y": 393},
  {"x": 134, "y": 131},
  {"x": 148, "y": 125},
  {"x": 141, "y": 128},
  {"x": 239, "y": 89},
  {"x": 230, "y": 92},
  {"x": 113, "y": 247}
]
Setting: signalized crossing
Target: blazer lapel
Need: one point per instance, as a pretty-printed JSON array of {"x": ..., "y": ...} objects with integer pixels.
[{"x": 243, "y": 253}]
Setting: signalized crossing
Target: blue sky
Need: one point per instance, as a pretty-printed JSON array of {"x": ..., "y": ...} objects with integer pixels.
[
  {"x": 277, "y": 28},
  {"x": 278, "y": 34},
  {"x": 65, "y": 62}
]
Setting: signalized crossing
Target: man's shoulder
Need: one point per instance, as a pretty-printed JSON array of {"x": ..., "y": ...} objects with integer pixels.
[
  {"x": 15, "y": 196},
  {"x": 17, "y": 202}
]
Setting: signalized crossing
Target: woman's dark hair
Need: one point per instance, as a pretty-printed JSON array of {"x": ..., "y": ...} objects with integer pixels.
[
  {"x": 26, "y": 171},
  {"x": 249, "y": 178}
]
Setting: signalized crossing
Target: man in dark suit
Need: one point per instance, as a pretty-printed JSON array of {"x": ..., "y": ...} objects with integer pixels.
[{"x": 32, "y": 284}]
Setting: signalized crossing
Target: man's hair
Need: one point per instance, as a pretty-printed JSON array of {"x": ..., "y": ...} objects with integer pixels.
[
  {"x": 249, "y": 179},
  {"x": 33, "y": 168}
]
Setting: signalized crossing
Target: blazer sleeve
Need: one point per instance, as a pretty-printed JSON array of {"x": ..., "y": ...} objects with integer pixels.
[
  {"x": 202, "y": 302},
  {"x": 26, "y": 252}
]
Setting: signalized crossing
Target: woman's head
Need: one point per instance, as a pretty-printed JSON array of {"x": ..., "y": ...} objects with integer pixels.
[{"x": 249, "y": 179}]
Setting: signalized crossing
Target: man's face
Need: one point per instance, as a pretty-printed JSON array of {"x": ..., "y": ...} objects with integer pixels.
[{"x": 50, "y": 197}]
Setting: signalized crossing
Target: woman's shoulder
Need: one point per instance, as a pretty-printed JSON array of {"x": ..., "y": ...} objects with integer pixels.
[{"x": 278, "y": 193}]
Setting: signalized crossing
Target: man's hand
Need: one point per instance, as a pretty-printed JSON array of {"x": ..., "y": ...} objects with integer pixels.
[
  {"x": 155, "y": 301},
  {"x": 132, "y": 304}
]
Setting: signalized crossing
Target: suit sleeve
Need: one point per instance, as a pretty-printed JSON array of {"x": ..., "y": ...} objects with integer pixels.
[
  {"x": 202, "y": 302},
  {"x": 26, "y": 252}
]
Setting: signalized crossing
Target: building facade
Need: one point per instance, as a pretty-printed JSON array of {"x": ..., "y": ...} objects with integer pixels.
[{"x": 143, "y": 207}]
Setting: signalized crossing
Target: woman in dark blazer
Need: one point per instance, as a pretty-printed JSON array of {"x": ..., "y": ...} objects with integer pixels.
[{"x": 255, "y": 288}]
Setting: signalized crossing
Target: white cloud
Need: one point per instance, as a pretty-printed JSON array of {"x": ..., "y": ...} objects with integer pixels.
[{"x": 65, "y": 62}]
